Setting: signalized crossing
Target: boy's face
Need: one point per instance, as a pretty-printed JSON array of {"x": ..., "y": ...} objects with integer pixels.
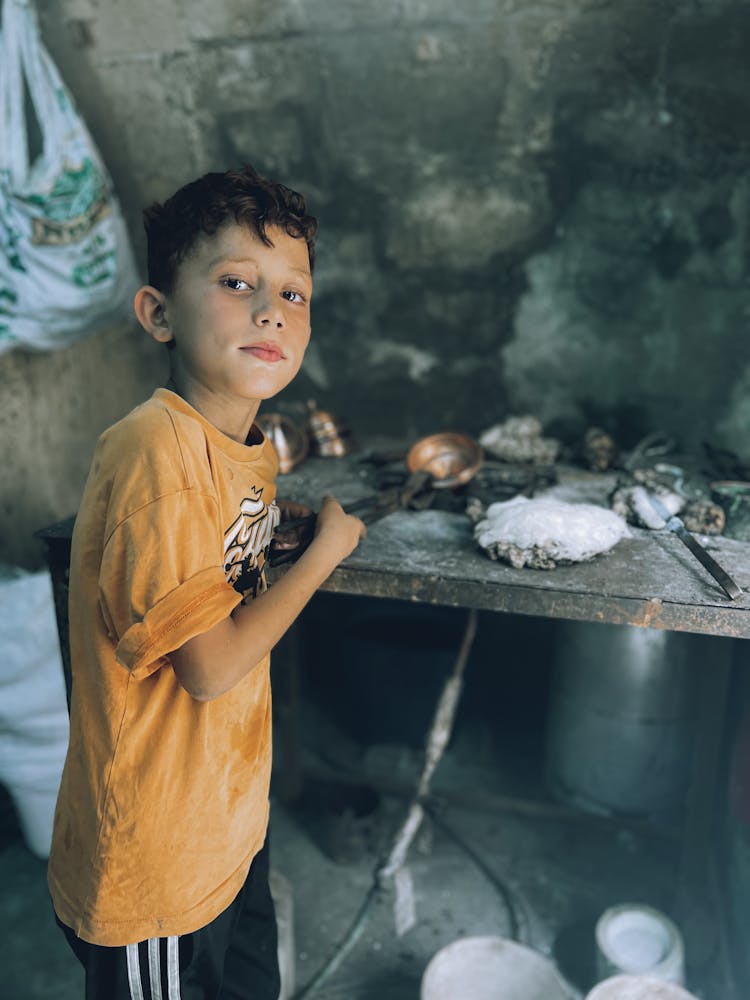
[{"x": 239, "y": 315}]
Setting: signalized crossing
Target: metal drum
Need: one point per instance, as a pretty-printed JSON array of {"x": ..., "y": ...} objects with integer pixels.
[{"x": 621, "y": 718}]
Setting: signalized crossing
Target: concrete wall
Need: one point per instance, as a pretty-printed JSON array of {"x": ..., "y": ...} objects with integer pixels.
[
  {"x": 526, "y": 205},
  {"x": 532, "y": 205}
]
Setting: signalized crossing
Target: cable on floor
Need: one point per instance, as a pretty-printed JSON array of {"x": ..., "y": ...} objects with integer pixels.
[
  {"x": 518, "y": 925},
  {"x": 386, "y": 870}
]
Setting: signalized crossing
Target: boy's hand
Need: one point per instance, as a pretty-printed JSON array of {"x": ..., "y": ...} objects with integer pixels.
[
  {"x": 251, "y": 631},
  {"x": 337, "y": 528},
  {"x": 290, "y": 539},
  {"x": 291, "y": 510}
]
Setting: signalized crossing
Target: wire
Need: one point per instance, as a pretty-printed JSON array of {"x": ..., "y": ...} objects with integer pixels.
[
  {"x": 518, "y": 925},
  {"x": 437, "y": 740}
]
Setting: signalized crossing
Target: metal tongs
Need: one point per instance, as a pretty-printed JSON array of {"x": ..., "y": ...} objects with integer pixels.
[{"x": 677, "y": 527}]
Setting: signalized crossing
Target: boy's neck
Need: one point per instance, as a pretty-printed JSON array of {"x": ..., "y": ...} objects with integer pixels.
[{"x": 239, "y": 429}]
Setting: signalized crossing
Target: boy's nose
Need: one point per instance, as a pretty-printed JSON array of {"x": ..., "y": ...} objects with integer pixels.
[{"x": 268, "y": 313}]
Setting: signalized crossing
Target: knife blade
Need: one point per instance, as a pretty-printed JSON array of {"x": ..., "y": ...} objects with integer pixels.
[{"x": 677, "y": 527}]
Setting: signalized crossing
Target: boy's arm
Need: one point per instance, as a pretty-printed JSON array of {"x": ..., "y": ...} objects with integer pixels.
[{"x": 210, "y": 664}]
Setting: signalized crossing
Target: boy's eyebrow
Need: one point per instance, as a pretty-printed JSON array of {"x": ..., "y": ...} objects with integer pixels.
[
  {"x": 223, "y": 259},
  {"x": 302, "y": 271}
]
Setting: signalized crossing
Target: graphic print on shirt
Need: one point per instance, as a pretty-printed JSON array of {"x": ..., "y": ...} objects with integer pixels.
[{"x": 246, "y": 539}]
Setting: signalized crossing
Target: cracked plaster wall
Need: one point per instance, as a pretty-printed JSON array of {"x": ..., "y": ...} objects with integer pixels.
[{"x": 526, "y": 205}]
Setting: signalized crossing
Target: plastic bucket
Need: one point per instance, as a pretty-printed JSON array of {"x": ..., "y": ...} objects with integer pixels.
[
  {"x": 638, "y": 988},
  {"x": 491, "y": 968},
  {"x": 639, "y": 940}
]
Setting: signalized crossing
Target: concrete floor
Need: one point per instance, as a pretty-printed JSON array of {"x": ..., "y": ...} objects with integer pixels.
[
  {"x": 495, "y": 855},
  {"x": 474, "y": 871}
]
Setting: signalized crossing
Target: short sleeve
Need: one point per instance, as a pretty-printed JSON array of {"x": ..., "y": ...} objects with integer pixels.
[{"x": 162, "y": 581}]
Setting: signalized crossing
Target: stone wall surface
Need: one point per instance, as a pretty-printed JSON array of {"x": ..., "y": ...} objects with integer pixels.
[{"x": 526, "y": 206}]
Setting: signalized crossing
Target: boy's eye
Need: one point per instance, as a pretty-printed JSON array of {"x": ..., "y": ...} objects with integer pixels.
[
  {"x": 292, "y": 296},
  {"x": 236, "y": 284}
]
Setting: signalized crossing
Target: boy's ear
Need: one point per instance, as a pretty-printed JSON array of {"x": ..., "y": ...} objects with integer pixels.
[{"x": 149, "y": 306}]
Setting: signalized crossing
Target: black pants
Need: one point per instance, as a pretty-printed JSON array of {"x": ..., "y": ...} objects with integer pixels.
[{"x": 232, "y": 958}]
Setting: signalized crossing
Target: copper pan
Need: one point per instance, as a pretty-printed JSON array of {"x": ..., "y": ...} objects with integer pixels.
[{"x": 449, "y": 458}]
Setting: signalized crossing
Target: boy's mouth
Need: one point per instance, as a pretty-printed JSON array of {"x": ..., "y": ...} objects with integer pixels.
[{"x": 264, "y": 351}]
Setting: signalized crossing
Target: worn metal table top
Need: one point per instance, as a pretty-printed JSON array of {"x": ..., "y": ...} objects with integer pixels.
[
  {"x": 649, "y": 579},
  {"x": 430, "y": 556}
]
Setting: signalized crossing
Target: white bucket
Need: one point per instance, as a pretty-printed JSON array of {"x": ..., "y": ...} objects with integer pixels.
[
  {"x": 634, "y": 939},
  {"x": 491, "y": 968},
  {"x": 638, "y": 988}
]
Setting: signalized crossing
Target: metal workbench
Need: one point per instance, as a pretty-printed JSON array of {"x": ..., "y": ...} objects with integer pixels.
[
  {"x": 647, "y": 580},
  {"x": 430, "y": 556}
]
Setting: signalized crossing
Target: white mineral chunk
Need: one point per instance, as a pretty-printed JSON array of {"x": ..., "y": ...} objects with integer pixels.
[
  {"x": 543, "y": 533},
  {"x": 632, "y": 503},
  {"x": 518, "y": 439}
]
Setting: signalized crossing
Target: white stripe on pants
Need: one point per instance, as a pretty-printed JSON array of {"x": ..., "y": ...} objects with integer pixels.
[{"x": 154, "y": 969}]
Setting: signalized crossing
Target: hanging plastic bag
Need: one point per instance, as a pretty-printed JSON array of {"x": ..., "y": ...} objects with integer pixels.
[{"x": 66, "y": 265}]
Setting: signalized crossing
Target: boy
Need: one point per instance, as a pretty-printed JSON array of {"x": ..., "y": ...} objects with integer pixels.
[{"x": 158, "y": 871}]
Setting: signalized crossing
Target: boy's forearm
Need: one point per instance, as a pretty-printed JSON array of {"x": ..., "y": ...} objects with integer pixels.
[
  {"x": 211, "y": 664},
  {"x": 260, "y": 624}
]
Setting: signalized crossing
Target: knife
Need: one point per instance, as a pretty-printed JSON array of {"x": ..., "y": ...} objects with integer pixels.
[{"x": 677, "y": 527}]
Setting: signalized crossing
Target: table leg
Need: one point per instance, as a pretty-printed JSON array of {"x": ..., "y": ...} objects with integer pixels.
[{"x": 695, "y": 903}]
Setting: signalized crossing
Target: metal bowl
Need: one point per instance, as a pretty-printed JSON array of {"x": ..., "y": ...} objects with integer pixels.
[
  {"x": 451, "y": 459},
  {"x": 289, "y": 440}
]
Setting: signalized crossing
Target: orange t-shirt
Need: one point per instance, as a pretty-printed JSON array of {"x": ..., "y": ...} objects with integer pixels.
[{"x": 164, "y": 800}]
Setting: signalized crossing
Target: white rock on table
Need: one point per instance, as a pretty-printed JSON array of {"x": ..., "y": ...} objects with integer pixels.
[{"x": 543, "y": 533}]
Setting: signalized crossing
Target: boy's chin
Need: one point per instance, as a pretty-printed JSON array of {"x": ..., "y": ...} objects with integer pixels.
[
  {"x": 267, "y": 390},
  {"x": 263, "y": 394}
]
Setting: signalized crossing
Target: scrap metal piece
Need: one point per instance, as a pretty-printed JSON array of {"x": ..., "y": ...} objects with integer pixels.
[
  {"x": 329, "y": 434},
  {"x": 599, "y": 449},
  {"x": 704, "y": 517}
]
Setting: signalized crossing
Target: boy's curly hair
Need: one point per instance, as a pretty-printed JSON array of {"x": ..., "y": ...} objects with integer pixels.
[{"x": 204, "y": 205}]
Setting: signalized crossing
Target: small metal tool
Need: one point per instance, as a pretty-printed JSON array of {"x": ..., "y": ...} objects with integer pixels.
[{"x": 676, "y": 526}]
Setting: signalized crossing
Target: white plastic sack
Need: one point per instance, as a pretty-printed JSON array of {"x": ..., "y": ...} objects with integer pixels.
[
  {"x": 65, "y": 259},
  {"x": 33, "y": 709}
]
